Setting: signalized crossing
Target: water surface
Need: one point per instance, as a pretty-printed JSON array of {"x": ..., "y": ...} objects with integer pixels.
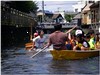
[{"x": 18, "y": 61}]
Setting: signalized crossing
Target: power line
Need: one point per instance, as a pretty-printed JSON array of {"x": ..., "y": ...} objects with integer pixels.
[{"x": 58, "y": 4}]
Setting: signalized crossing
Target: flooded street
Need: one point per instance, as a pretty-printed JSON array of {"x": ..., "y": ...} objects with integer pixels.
[
  {"x": 21, "y": 21},
  {"x": 18, "y": 61}
]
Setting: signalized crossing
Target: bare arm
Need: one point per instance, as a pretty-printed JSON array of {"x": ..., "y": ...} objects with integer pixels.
[{"x": 71, "y": 29}]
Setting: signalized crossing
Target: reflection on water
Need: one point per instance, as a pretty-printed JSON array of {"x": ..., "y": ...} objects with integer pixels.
[{"x": 18, "y": 61}]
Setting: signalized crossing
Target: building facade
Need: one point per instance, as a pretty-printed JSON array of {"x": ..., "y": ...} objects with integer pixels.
[
  {"x": 86, "y": 14},
  {"x": 91, "y": 15},
  {"x": 49, "y": 17}
]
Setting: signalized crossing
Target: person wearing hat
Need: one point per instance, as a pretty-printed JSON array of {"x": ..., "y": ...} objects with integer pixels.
[
  {"x": 81, "y": 43},
  {"x": 79, "y": 31},
  {"x": 35, "y": 34}
]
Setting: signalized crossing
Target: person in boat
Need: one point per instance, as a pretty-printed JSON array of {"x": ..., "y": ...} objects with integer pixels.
[
  {"x": 58, "y": 38},
  {"x": 92, "y": 39},
  {"x": 87, "y": 38},
  {"x": 73, "y": 36},
  {"x": 81, "y": 43},
  {"x": 79, "y": 31},
  {"x": 72, "y": 41},
  {"x": 40, "y": 40},
  {"x": 69, "y": 42},
  {"x": 97, "y": 45}
]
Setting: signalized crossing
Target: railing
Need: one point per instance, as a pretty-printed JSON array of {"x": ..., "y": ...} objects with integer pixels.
[
  {"x": 13, "y": 17},
  {"x": 51, "y": 25},
  {"x": 95, "y": 26}
]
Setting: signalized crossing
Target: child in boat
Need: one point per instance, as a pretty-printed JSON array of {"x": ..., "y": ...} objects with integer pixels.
[
  {"x": 81, "y": 43},
  {"x": 92, "y": 39},
  {"x": 97, "y": 45},
  {"x": 71, "y": 42},
  {"x": 79, "y": 31},
  {"x": 68, "y": 45}
]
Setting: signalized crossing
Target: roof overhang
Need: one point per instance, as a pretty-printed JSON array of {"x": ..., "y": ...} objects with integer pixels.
[{"x": 95, "y": 5}]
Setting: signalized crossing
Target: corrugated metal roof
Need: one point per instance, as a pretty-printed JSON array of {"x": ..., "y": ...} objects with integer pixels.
[
  {"x": 78, "y": 16},
  {"x": 87, "y": 7},
  {"x": 45, "y": 11},
  {"x": 55, "y": 16},
  {"x": 95, "y": 4}
]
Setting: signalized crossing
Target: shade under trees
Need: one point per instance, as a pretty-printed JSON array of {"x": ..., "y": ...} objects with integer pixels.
[{"x": 24, "y": 6}]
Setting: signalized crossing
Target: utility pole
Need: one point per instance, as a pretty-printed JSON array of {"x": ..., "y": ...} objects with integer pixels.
[
  {"x": 31, "y": 31},
  {"x": 43, "y": 11},
  {"x": 58, "y": 9}
]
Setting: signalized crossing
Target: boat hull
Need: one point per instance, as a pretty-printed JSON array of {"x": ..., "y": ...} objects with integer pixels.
[
  {"x": 28, "y": 46},
  {"x": 70, "y": 54}
]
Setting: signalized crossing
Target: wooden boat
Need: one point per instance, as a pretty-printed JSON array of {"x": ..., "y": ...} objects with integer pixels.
[
  {"x": 28, "y": 45},
  {"x": 70, "y": 54}
]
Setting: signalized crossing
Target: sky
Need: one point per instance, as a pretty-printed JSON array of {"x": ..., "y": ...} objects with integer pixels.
[{"x": 57, "y": 5}]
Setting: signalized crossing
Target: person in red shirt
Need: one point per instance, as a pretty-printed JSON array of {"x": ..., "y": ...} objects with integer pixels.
[{"x": 58, "y": 38}]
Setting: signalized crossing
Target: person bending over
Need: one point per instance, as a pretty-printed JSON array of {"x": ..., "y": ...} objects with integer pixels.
[{"x": 81, "y": 43}]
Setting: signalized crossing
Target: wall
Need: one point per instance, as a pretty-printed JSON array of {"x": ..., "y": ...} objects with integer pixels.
[{"x": 15, "y": 27}]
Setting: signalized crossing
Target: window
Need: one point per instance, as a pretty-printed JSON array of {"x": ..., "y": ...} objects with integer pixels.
[{"x": 89, "y": 16}]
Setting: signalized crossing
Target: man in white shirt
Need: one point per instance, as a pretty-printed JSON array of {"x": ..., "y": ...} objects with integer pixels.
[{"x": 40, "y": 40}]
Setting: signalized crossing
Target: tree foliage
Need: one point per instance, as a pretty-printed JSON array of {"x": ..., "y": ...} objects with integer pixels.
[
  {"x": 24, "y": 6},
  {"x": 69, "y": 17}
]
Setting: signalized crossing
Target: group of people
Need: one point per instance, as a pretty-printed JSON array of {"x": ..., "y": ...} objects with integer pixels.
[{"x": 67, "y": 41}]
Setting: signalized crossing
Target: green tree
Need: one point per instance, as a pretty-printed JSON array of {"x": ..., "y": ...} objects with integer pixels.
[
  {"x": 69, "y": 17},
  {"x": 24, "y": 6}
]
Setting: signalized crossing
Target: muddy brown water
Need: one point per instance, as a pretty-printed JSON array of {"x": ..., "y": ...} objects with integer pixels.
[{"x": 18, "y": 61}]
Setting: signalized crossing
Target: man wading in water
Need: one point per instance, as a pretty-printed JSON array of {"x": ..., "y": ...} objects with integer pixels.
[{"x": 39, "y": 41}]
